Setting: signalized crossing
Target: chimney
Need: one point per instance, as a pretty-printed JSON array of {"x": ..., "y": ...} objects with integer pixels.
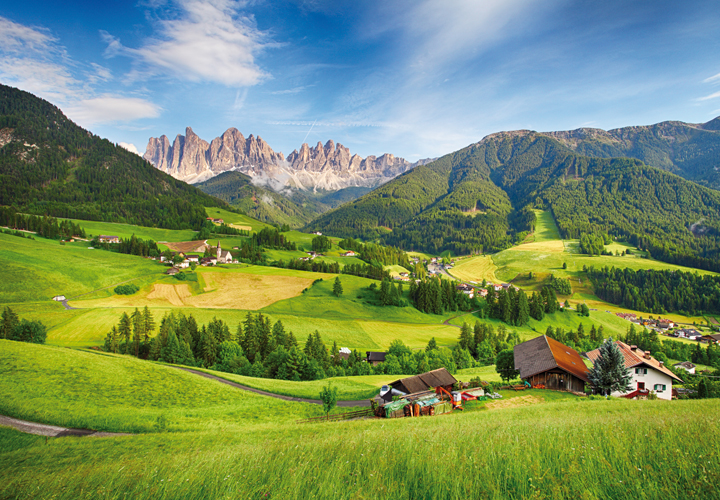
[
  {"x": 647, "y": 354},
  {"x": 661, "y": 364},
  {"x": 633, "y": 347}
]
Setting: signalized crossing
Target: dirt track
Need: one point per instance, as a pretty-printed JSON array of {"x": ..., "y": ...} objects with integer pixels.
[{"x": 52, "y": 430}]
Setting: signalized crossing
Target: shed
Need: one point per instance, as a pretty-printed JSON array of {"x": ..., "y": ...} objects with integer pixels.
[
  {"x": 545, "y": 361},
  {"x": 424, "y": 382},
  {"x": 375, "y": 358}
]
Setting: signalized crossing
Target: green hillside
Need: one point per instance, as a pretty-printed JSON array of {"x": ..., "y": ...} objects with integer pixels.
[
  {"x": 50, "y": 166},
  {"x": 689, "y": 150},
  {"x": 198, "y": 439},
  {"x": 481, "y": 199}
]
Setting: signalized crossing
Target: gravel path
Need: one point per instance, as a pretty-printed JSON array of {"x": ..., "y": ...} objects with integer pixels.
[
  {"x": 364, "y": 402},
  {"x": 52, "y": 430}
]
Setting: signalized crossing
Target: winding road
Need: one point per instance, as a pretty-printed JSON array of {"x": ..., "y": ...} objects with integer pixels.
[
  {"x": 344, "y": 404},
  {"x": 56, "y": 431}
]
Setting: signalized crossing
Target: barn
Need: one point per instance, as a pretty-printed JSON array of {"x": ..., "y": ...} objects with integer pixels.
[
  {"x": 424, "y": 382},
  {"x": 546, "y": 362}
]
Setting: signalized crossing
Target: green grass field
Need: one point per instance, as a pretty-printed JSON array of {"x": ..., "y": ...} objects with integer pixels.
[
  {"x": 201, "y": 439},
  {"x": 40, "y": 269},
  {"x": 545, "y": 227},
  {"x": 94, "y": 228}
]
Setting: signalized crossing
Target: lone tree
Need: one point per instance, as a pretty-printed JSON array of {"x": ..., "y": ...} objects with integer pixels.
[
  {"x": 609, "y": 374},
  {"x": 337, "y": 287},
  {"x": 505, "y": 365},
  {"x": 328, "y": 396}
]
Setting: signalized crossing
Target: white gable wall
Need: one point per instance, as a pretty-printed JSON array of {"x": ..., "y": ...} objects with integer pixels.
[{"x": 651, "y": 379}]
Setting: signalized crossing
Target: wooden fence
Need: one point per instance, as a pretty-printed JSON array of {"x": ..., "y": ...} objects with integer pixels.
[{"x": 367, "y": 412}]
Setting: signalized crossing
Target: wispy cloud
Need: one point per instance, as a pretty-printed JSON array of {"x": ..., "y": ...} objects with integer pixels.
[
  {"x": 109, "y": 109},
  {"x": 712, "y": 79},
  {"x": 206, "y": 40},
  {"x": 295, "y": 90},
  {"x": 714, "y": 95},
  {"x": 34, "y": 60}
]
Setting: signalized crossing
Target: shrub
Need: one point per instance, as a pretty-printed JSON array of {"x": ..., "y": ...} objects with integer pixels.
[{"x": 126, "y": 289}]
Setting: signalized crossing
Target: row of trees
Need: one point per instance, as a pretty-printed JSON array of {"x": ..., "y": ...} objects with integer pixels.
[
  {"x": 21, "y": 330},
  {"x": 657, "y": 291},
  {"x": 594, "y": 244},
  {"x": 45, "y": 226},
  {"x": 131, "y": 246},
  {"x": 435, "y": 296}
]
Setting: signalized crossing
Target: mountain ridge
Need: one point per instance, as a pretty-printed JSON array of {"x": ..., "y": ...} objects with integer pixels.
[{"x": 328, "y": 167}]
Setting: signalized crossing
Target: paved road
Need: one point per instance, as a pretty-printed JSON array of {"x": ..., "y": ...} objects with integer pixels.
[
  {"x": 364, "y": 402},
  {"x": 67, "y": 306},
  {"x": 52, "y": 430}
]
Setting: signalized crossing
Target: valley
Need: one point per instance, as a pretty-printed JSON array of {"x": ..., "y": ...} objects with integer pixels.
[{"x": 349, "y": 283}]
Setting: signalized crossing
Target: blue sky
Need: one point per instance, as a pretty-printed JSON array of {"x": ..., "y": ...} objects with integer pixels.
[{"x": 414, "y": 78}]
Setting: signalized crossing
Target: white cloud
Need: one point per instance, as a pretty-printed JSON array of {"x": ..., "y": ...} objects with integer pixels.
[
  {"x": 109, "y": 109},
  {"x": 210, "y": 41},
  {"x": 711, "y": 79},
  {"x": 295, "y": 90},
  {"x": 130, "y": 147},
  {"x": 708, "y": 97},
  {"x": 17, "y": 38},
  {"x": 33, "y": 60}
]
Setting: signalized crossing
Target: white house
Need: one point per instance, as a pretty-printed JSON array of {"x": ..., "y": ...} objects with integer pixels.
[
  {"x": 648, "y": 373},
  {"x": 687, "y": 366},
  {"x": 223, "y": 256}
]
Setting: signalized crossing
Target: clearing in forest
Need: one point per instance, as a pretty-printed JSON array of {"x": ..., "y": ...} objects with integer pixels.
[{"x": 545, "y": 227}]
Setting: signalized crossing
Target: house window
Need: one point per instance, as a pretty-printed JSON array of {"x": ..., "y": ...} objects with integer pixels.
[
  {"x": 659, "y": 387},
  {"x": 640, "y": 371}
]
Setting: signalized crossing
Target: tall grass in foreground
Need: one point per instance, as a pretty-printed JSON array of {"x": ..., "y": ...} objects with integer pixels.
[{"x": 577, "y": 449}]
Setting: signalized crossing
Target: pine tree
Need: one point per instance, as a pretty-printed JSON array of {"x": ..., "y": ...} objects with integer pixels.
[
  {"x": 609, "y": 373},
  {"x": 9, "y": 322},
  {"x": 523, "y": 309},
  {"x": 466, "y": 338},
  {"x": 337, "y": 287},
  {"x": 432, "y": 345},
  {"x": 125, "y": 330},
  {"x": 138, "y": 325},
  {"x": 149, "y": 324}
]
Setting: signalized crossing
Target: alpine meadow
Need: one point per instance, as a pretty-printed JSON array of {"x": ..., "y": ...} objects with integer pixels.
[{"x": 401, "y": 290}]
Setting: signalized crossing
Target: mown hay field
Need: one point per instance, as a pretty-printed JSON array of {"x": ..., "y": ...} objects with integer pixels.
[
  {"x": 475, "y": 269},
  {"x": 121, "y": 230}
]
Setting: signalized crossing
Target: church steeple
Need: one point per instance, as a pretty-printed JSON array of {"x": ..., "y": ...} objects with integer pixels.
[{"x": 218, "y": 250}]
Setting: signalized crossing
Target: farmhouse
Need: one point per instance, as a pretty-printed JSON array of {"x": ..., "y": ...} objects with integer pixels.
[
  {"x": 344, "y": 353},
  {"x": 546, "y": 362},
  {"x": 349, "y": 253},
  {"x": 173, "y": 271},
  {"x": 375, "y": 358},
  {"x": 712, "y": 338},
  {"x": 648, "y": 373},
  {"x": 423, "y": 382},
  {"x": 59, "y": 298},
  {"x": 108, "y": 239},
  {"x": 687, "y": 366}
]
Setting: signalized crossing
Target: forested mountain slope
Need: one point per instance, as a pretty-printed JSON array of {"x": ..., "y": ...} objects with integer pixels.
[
  {"x": 258, "y": 202},
  {"x": 479, "y": 198},
  {"x": 690, "y": 150},
  {"x": 49, "y": 165}
]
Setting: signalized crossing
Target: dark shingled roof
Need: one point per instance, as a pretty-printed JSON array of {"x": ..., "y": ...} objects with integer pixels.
[
  {"x": 543, "y": 353},
  {"x": 425, "y": 381},
  {"x": 375, "y": 356}
]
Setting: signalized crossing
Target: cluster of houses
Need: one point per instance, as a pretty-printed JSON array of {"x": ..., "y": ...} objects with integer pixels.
[
  {"x": 546, "y": 363},
  {"x": 221, "y": 257},
  {"x": 215, "y": 221},
  {"x": 669, "y": 328},
  {"x": 104, "y": 238}
]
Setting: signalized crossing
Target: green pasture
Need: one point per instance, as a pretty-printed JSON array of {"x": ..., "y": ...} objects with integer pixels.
[
  {"x": 37, "y": 270},
  {"x": 608, "y": 449},
  {"x": 95, "y": 228},
  {"x": 545, "y": 227},
  {"x": 119, "y": 393},
  {"x": 395, "y": 270},
  {"x": 475, "y": 269},
  {"x": 237, "y": 219}
]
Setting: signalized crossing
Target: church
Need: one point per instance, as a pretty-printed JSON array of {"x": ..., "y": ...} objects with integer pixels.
[{"x": 223, "y": 256}]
